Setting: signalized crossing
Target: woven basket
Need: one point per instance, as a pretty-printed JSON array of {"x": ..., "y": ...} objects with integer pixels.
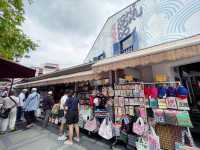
[{"x": 168, "y": 136}]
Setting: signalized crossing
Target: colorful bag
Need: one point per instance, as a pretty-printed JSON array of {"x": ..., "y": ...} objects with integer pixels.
[
  {"x": 154, "y": 92},
  {"x": 139, "y": 126},
  {"x": 182, "y": 92},
  {"x": 183, "y": 119},
  {"x": 153, "y": 140},
  {"x": 171, "y": 92},
  {"x": 141, "y": 144},
  {"x": 170, "y": 117},
  {"x": 106, "y": 129},
  {"x": 159, "y": 116},
  {"x": 153, "y": 103},
  {"x": 162, "y": 104},
  {"x": 162, "y": 92},
  {"x": 91, "y": 125},
  {"x": 182, "y": 104},
  {"x": 171, "y": 102}
]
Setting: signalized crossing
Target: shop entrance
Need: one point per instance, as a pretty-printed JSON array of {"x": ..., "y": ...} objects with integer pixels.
[{"x": 190, "y": 77}]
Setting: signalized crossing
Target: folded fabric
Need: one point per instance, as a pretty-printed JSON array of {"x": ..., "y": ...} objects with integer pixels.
[{"x": 171, "y": 91}]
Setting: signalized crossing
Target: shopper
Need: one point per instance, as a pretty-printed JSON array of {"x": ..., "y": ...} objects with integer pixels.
[
  {"x": 72, "y": 117},
  {"x": 9, "y": 103},
  {"x": 48, "y": 103},
  {"x": 22, "y": 97},
  {"x": 30, "y": 106},
  {"x": 62, "y": 135}
]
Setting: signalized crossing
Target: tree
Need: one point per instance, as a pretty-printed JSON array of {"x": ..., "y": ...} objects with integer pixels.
[{"x": 13, "y": 42}]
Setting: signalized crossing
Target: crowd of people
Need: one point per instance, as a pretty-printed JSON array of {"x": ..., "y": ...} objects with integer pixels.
[{"x": 23, "y": 108}]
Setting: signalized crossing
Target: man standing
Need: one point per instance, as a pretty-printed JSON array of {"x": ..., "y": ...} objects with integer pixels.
[
  {"x": 72, "y": 117},
  {"x": 62, "y": 135},
  {"x": 48, "y": 103},
  {"x": 30, "y": 106},
  {"x": 22, "y": 97}
]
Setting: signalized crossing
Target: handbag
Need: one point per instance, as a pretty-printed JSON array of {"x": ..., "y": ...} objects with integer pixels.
[
  {"x": 106, "y": 129},
  {"x": 159, "y": 116},
  {"x": 182, "y": 145},
  {"x": 182, "y": 104},
  {"x": 162, "y": 103},
  {"x": 91, "y": 125},
  {"x": 183, "y": 119},
  {"x": 170, "y": 117},
  {"x": 4, "y": 112},
  {"x": 153, "y": 103},
  {"x": 139, "y": 126},
  {"x": 141, "y": 144},
  {"x": 171, "y": 102},
  {"x": 153, "y": 140}
]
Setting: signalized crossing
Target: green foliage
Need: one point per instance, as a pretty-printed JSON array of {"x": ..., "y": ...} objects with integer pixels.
[{"x": 13, "y": 42}]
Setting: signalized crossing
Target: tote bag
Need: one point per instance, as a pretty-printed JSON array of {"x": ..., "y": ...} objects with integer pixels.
[
  {"x": 141, "y": 144},
  {"x": 91, "y": 125},
  {"x": 139, "y": 126},
  {"x": 171, "y": 102},
  {"x": 153, "y": 140},
  {"x": 162, "y": 103},
  {"x": 106, "y": 129},
  {"x": 183, "y": 119},
  {"x": 159, "y": 116},
  {"x": 182, "y": 104}
]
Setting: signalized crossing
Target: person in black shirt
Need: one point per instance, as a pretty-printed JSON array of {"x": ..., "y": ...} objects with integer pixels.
[
  {"x": 48, "y": 103},
  {"x": 72, "y": 117}
]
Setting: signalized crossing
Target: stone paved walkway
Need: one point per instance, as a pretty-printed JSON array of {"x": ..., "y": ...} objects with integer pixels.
[{"x": 37, "y": 138}]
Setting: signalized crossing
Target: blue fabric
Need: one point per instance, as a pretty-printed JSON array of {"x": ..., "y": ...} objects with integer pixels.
[
  {"x": 162, "y": 91},
  {"x": 72, "y": 103},
  {"x": 181, "y": 90},
  {"x": 32, "y": 102},
  {"x": 171, "y": 92}
]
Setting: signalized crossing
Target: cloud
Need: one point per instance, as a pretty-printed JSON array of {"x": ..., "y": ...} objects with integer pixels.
[{"x": 66, "y": 29}]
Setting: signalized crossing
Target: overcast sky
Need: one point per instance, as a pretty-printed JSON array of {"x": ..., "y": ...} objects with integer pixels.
[{"x": 66, "y": 29}]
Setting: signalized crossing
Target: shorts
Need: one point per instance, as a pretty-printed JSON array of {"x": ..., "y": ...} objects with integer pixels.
[{"x": 72, "y": 117}]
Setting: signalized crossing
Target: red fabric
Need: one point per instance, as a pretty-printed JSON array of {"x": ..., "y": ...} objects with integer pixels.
[
  {"x": 153, "y": 92},
  {"x": 182, "y": 96},
  {"x": 147, "y": 91},
  {"x": 91, "y": 100}
]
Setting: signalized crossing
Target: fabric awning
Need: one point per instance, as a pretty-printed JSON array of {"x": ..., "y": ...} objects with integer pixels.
[
  {"x": 11, "y": 69},
  {"x": 76, "y": 77},
  {"x": 172, "y": 51}
]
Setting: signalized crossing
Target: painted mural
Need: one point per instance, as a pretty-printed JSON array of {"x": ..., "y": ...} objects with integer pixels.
[{"x": 152, "y": 21}]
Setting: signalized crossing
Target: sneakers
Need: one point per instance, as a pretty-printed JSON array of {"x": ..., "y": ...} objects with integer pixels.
[
  {"x": 68, "y": 142},
  {"x": 77, "y": 139},
  {"x": 62, "y": 138}
]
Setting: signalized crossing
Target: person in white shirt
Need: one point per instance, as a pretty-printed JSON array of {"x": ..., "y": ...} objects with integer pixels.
[
  {"x": 22, "y": 97},
  {"x": 62, "y": 135},
  {"x": 9, "y": 122}
]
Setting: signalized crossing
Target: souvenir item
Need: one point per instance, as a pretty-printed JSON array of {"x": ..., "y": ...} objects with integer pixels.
[
  {"x": 170, "y": 117},
  {"x": 182, "y": 92},
  {"x": 139, "y": 126},
  {"x": 162, "y": 103},
  {"x": 131, "y": 110},
  {"x": 153, "y": 92},
  {"x": 141, "y": 144},
  {"x": 132, "y": 139},
  {"x": 162, "y": 92},
  {"x": 171, "y": 92},
  {"x": 147, "y": 91},
  {"x": 171, "y": 102},
  {"x": 111, "y": 91},
  {"x": 131, "y": 101},
  {"x": 121, "y": 101},
  {"x": 153, "y": 140},
  {"x": 91, "y": 125},
  {"x": 106, "y": 129},
  {"x": 116, "y": 129},
  {"x": 182, "y": 104},
  {"x": 127, "y": 109},
  {"x": 159, "y": 116},
  {"x": 153, "y": 103},
  {"x": 183, "y": 119},
  {"x": 116, "y": 101},
  {"x": 126, "y": 101},
  {"x": 141, "y": 101}
]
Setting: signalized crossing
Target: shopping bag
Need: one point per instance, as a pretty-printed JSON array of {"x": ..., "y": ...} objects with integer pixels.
[
  {"x": 153, "y": 140},
  {"x": 139, "y": 126},
  {"x": 170, "y": 117},
  {"x": 171, "y": 102},
  {"x": 91, "y": 125},
  {"x": 159, "y": 116},
  {"x": 182, "y": 104},
  {"x": 141, "y": 144},
  {"x": 153, "y": 103},
  {"x": 183, "y": 119},
  {"x": 162, "y": 103},
  {"x": 106, "y": 129}
]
